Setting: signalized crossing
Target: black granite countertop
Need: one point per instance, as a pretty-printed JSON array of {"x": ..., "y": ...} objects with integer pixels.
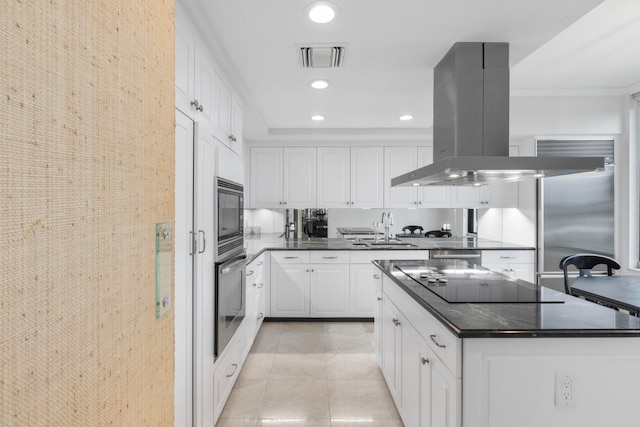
[
  {"x": 573, "y": 317},
  {"x": 255, "y": 246}
]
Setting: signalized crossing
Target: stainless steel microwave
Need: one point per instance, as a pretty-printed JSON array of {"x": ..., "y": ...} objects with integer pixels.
[{"x": 229, "y": 218}]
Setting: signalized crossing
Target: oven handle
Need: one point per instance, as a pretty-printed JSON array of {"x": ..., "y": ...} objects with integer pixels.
[{"x": 231, "y": 265}]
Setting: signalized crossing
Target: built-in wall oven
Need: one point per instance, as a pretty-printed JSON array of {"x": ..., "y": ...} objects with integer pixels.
[{"x": 230, "y": 285}]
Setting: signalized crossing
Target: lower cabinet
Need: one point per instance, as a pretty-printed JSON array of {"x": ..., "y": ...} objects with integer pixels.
[
  {"x": 426, "y": 392},
  {"x": 519, "y": 264},
  {"x": 225, "y": 373},
  {"x": 329, "y": 290}
]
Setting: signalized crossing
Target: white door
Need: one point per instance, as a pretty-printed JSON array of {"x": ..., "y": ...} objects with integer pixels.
[
  {"x": 334, "y": 184},
  {"x": 185, "y": 61},
  {"x": 389, "y": 362},
  {"x": 204, "y": 86},
  {"x": 237, "y": 138},
  {"x": 204, "y": 308},
  {"x": 329, "y": 290},
  {"x": 299, "y": 179},
  {"x": 222, "y": 110},
  {"x": 266, "y": 177},
  {"x": 410, "y": 371},
  {"x": 397, "y": 161},
  {"x": 367, "y": 172},
  {"x": 290, "y": 290},
  {"x": 183, "y": 294},
  {"x": 362, "y": 298}
]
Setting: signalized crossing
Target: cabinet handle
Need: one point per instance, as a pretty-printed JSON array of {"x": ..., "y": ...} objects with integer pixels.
[
  {"x": 260, "y": 263},
  {"x": 235, "y": 368},
  {"x": 435, "y": 341},
  {"x": 375, "y": 276},
  {"x": 194, "y": 243},
  {"x": 396, "y": 322},
  {"x": 507, "y": 257},
  {"x": 329, "y": 257},
  {"x": 291, "y": 257},
  {"x": 232, "y": 138},
  {"x": 347, "y": 203},
  {"x": 424, "y": 360},
  {"x": 260, "y": 316},
  {"x": 204, "y": 242},
  {"x": 261, "y": 285},
  {"x": 379, "y": 299},
  {"x": 197, "y": 105},
  {"x": 420, "y": 202},
  {"x": 280, "y": 202},
  {"x": 284, "y": 203},
  {"x": 249, "y": 273}
]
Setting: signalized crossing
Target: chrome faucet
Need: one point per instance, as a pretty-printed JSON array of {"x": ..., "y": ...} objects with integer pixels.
[
  {"x": 287, "y": 230},
  {"x": 387, "y": 222}
]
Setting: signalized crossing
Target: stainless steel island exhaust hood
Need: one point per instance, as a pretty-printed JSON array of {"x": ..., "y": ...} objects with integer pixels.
[{"x": 471, "y": 125}]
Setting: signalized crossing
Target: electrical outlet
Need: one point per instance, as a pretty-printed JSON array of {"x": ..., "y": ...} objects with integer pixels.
[{"x": 564, "y": 390}]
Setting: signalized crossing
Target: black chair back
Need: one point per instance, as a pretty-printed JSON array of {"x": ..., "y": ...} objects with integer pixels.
[{"x": 585, "y": 263}]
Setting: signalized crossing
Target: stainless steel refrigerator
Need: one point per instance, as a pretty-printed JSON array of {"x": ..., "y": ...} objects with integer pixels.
[{"x": 576, "y": 213}]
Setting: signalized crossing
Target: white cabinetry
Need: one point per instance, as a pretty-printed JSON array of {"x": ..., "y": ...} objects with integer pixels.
[
  {"x": 225, "y": 375},
  {"x": 255, "y": 309},
  {"x": 350, "y": 177},
  {"x": 283, "y": 177},
  {"x": 227, "y": 115},
  {"x": 185, "y": 63},
  {"x": 420, "y": 361},
  {"x": 400, "y": 160},
  {"x": 329, "y": 284},
  {"x": 362, "y": 299},
  {"x": 519, "y": 264},
  {"x": 290, "y": 284}
]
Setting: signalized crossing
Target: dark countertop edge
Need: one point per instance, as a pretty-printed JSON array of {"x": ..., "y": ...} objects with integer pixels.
[{"x": 528, "y": 333}]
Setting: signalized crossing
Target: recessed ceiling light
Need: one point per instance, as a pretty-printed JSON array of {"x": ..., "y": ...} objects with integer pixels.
[
  {"x": 321, "y": 12},
  {"x": 317, "y": 117},
  {"x": 320, "y": 84},
  {"x": 406, "y": 117}
]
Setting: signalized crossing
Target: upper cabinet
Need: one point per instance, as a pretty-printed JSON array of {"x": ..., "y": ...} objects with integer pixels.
[
  {"x": 283, "y": 177},
  {"x": 400, "y": 160},
  {"x": 201, "y": 92},
  {"x": 350, "y": 177}
]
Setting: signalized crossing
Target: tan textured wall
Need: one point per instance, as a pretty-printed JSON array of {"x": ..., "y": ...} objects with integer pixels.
[{"x": 86, "y": 170}]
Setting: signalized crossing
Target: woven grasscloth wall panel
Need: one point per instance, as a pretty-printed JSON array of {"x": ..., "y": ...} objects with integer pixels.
[{"x": 87, "y": 170}]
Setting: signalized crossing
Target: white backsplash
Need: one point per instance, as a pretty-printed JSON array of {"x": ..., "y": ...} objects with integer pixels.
[{"x": 272, "y": 220}]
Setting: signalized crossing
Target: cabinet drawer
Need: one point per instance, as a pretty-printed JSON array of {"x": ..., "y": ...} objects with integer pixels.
[
  {"x": 290, "y": 257},
  {"x": 508, "y": 257},
  {"x": 333, "y": 257}
]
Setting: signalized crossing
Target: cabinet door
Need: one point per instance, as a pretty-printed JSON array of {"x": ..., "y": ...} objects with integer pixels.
[
  {"x": 390, "y": 363},
  {"x": 329, "y": 290},
  {"x": 367, "y": 171},
  {"x": 397, "y": 161},
  {"x": 445, "y": 396},
  {"x": 362, "y": 294},
  {"x": 377, "y": 316},
  {"x": 467, "y": 197},
  {"x": 236, "y": 141},
  {"x": 412, "y": 365},
  {"x": 299, "y": 177},
  {"x": 334, "y": 184},
  {"x": 185, "y": 63},
  {"x": 266, "y": 177},
  {"x": 222, "y": 110},
  {"x": 205, "y": 75},
  {"x": 431, "y": 196},
  {"x": 290, "y": 290}
]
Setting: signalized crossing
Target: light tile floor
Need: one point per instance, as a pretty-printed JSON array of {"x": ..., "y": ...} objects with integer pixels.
[{"x": 311, "y": 374}]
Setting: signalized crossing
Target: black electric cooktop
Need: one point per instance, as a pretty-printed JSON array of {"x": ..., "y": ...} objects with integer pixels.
[{"x": 458, "y": 281}]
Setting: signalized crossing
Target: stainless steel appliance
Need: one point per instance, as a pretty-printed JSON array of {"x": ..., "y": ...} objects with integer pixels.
[
  {"x": 230, "y": 300},
  {"x": 471, "y": 125},
  {"x": 576, "y": 213},
  {"x": 229, "y": 217}
]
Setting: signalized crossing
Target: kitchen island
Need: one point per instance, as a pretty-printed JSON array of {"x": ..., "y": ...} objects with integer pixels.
[{"x": 527, "y": 356}]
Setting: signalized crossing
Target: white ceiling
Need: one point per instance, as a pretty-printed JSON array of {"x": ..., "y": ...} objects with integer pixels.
[{"x": 393, "y": 46}]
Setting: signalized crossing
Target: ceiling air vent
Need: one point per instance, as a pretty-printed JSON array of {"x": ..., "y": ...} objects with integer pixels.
[{"x": 322, "y": 56}]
